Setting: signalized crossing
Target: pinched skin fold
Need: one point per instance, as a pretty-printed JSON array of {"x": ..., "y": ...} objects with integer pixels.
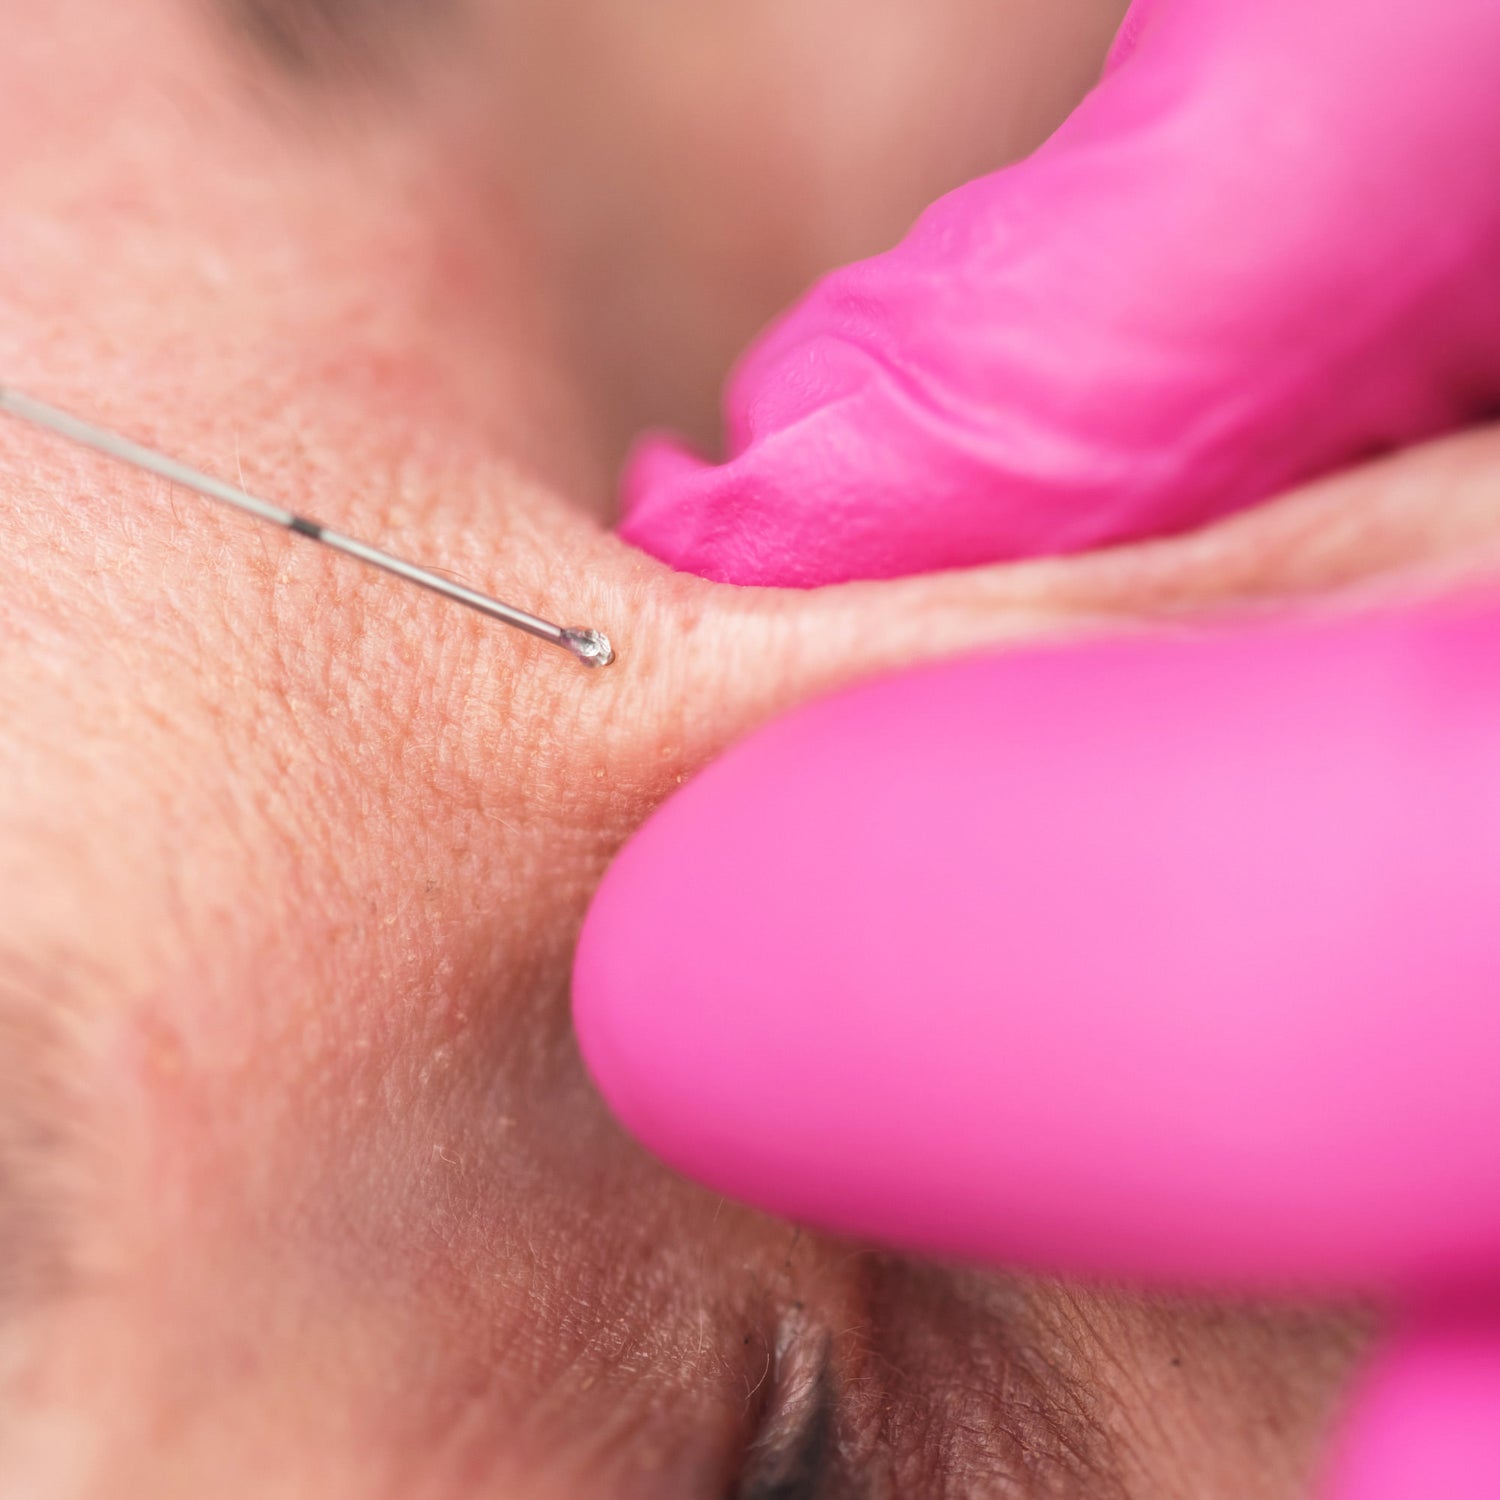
[{"x": 1262, "y": 248}]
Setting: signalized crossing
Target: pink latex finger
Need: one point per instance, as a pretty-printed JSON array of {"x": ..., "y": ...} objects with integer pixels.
[
  {"x": 1427, "y": 1421},
  {"x": 1175, "y": 959},
  {"x": 1265, "y": 246}
]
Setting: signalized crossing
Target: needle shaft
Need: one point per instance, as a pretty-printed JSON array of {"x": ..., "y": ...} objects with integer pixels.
[{"x": 591, "y": 647}]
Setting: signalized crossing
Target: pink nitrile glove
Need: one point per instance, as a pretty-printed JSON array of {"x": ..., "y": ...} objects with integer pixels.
[
  {"x": 1425, "y": 1424},
  {"x": 1165, "y": 959},
  {"x": 1172, "y": 959},
  {"x": 1175, "y": 959},
  {"x": 1262, "y": 248}
]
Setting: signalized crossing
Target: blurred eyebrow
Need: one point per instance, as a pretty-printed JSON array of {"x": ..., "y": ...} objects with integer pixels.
[
  {"x": 39, "y": 1145},
  {"x": 317, "y": 37}
]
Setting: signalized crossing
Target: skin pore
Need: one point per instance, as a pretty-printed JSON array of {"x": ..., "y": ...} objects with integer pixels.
[{"x": 302, "y": 1188}]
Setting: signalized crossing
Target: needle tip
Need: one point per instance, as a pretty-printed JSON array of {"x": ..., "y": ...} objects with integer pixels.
[{"x": 591, "y": 647}]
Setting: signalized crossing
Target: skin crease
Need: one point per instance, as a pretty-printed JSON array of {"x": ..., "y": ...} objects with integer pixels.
[{"x": 307, "y": 1193}]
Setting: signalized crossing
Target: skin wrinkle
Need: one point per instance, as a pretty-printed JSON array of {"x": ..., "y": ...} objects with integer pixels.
[
  {"x": 791, "y": 1454},
  {"x": 800, "y": 1471},
  {"x": 1157, "y": 1356},
  {"x": 998, "y": 1415}
]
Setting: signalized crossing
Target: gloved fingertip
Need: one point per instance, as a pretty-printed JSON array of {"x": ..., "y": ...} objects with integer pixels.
[
  {"x": 1426, "y": 1421},
  {"x": 664, "y": 496},
  {"x": 1128, "y": 37},
  {"x": 661, "y": 955},
  {"x": 657, "y": 461},
  {"x": 1109, "y": 958},
  {"x": 715, "y": 519}
]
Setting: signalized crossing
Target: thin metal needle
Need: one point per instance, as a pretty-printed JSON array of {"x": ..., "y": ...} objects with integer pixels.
[{"x": 591, "y": 647}]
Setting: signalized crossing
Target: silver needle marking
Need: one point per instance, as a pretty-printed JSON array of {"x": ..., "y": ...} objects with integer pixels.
[{"x": 591, "y": 647}]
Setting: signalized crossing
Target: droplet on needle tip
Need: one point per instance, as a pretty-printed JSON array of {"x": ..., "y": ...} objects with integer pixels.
[{"x": 591, "y": 647}]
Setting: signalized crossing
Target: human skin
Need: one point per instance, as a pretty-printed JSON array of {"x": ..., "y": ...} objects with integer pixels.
[{"x": 304, "y": 1191}]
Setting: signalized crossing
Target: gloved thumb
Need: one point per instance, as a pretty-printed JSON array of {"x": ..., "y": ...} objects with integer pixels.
[
  {"x": 1160, "y": 958},
  {"x": 1263, "y": 247}
]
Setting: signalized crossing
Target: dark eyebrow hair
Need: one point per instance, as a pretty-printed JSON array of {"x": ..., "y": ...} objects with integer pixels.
[
  {"x": 315, "y": 38},
  {"x": 50, "y": 1137},
  {"x": 42, "y": 1151}
]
